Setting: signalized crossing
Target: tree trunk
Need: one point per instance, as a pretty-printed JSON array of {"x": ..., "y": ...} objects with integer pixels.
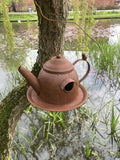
[
  {"x": 51, "y": 33},
  {"x": 11, "y": 109},
  {"x": 50, "y": 44}
]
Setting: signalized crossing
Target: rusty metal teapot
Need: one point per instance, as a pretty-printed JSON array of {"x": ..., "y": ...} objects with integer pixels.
[{"x": 57, "y": 87}]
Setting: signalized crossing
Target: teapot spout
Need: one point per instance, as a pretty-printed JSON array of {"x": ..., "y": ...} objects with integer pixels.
[{"x": 30, "y": 78}]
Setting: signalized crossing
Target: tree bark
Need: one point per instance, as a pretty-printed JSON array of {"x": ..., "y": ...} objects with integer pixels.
[
  {"x": 11, "y": 109},
  {"x": 50, "y": 44},
  {"x": 51, "y": 34}
]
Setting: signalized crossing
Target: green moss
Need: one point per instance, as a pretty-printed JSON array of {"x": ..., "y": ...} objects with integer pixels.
[
  {"x": 6, "y": 108},
  {"x": 36, "y": 69}
]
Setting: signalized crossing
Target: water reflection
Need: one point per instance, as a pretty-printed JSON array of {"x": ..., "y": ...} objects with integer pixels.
[
  {"x": 115, "y": 36},
  {"x": 70, "y": 143},
  {"x": 25, "y": 41},
  {"x": 110, "y": 29}
]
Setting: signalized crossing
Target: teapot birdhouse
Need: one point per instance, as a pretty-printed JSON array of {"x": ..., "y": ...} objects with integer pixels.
[{"x": 57, "y": 87}]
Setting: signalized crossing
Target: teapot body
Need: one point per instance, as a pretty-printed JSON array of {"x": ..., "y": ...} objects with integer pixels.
[
  {"x": 60, "y": 88},
  {"x": 57, "y": 87}
]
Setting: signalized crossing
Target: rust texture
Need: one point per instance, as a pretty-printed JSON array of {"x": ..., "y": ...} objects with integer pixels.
[{"x": 57, "y": 87}]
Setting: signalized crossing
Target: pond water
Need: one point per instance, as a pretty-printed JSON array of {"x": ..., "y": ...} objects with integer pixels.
[
  {"x": 73, "y": 142},
  {"x": 24, "y": 54}
]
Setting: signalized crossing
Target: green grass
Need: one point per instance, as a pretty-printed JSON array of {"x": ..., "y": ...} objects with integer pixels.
[
  {"x": 98, "y": 131},
  {"x": 50, "y": 121},
  {"x": 107, "y": 58},
  {"x": 114, "y": 123},
  {"x": 33, "y": 16},
  {"x": 20, "y": 16},
  {"x": 107, "y": 14},
  {"x": 100, "y": 14}
]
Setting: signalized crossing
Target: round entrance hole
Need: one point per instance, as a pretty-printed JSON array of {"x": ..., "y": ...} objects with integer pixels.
[{"x": 69, "y": 86}]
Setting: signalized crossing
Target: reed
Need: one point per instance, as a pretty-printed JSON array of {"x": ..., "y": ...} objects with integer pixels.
[
  {"x": 51, "y": 121},
  {"x": 114, "y": 125},
  {"x": 106, "y": 59},
  {"x": 88, "y": 149},
  {"x": 19, "y": 146}
]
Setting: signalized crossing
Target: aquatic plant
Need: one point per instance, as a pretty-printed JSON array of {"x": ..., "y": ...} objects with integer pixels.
[
  {"x": 51, "y": 120},
  {"x": 106, "y": 59},
  {"x": 21, "y": 146},
  {"x": 114, "y": 122},
  {"x": 29, "y": 109},
  {"x": 88, "y": 149}
]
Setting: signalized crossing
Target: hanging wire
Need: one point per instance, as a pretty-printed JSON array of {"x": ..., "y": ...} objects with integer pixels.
[{"x": 62, "y": 21}]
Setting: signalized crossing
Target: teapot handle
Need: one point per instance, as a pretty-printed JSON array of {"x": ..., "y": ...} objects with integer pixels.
[{"x": 84, "y": 58}]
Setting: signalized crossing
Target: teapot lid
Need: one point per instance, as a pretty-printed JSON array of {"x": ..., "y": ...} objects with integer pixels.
[{"x": 58, "y": 64}]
